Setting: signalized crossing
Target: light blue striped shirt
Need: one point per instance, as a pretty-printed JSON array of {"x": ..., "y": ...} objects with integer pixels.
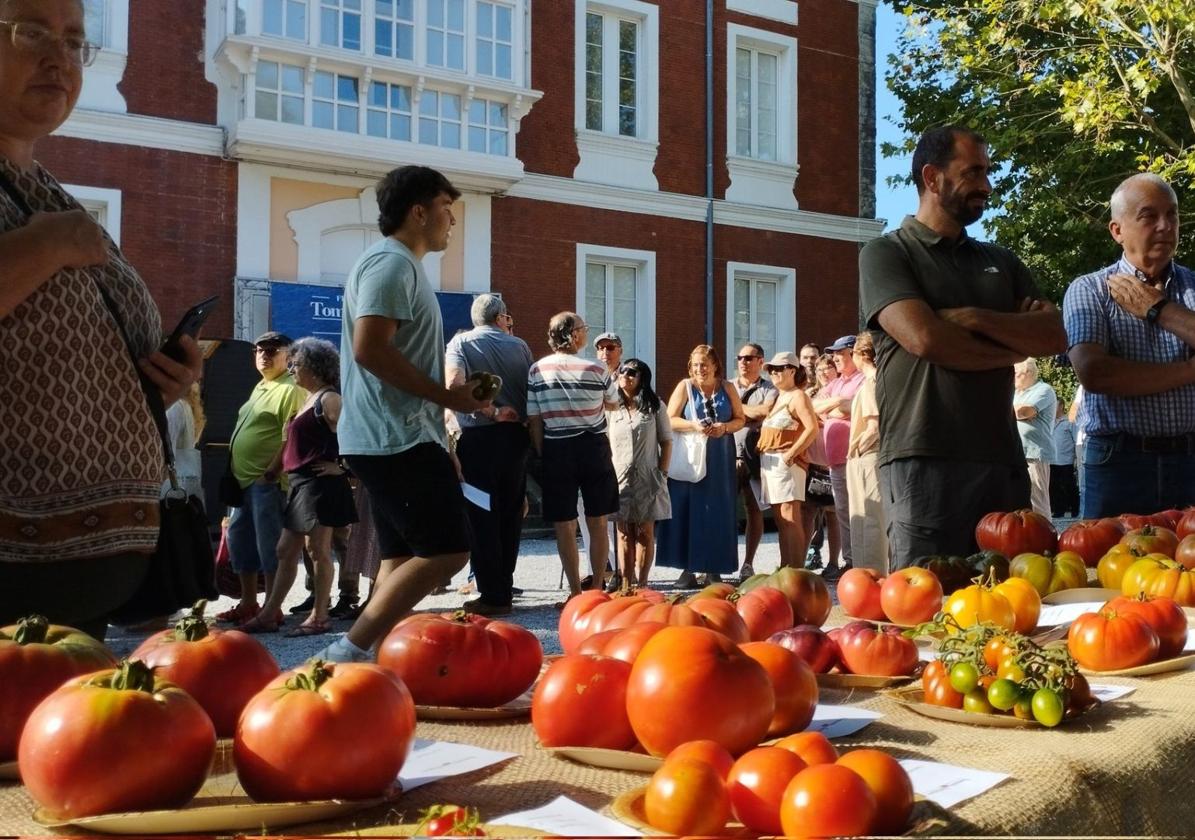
[{"x": 1092, "y": 316}]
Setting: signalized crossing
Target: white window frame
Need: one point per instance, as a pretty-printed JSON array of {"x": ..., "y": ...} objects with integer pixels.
[
  {"x": 645, "y": 293},
  {"x": 611, "y": 158},
  {"x": 763, "y": 182},
  {"x": 104, "y": 202},
  {"x": 490, "y": 129},
  {"x": 390, "y": 111},
  {"x": 784, "y": 11},
  {"x": 786, "y": 304},
  {"x": 336, "y": 102},
  {"x": 446, "y": 33},
  {"x": 102, "y": 79},
  {"x": 394, "y": 22},
  {"x": 440, "y": 120},
  {"x": 286, "y": 6},
  {"x": 318, "y": 7},
  {"x": 279, "y": 92},
  {"x": 493, "y": 40}
]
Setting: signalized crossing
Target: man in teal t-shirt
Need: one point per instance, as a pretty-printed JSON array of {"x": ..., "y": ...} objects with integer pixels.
[{"x": 391, "y": 430}]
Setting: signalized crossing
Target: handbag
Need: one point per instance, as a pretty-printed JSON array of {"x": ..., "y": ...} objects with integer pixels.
[
  {"x": 687, "y": 461},
  {"x": 181, "y": 570},
  {"x": 818, "y": 489}
]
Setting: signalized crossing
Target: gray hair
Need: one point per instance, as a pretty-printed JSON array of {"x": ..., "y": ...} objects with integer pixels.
[
  {"x": 1119, "y": 203},
  {"x": 1029, "y": 366},
  {"x": 319, "y": 357},
  {"x": 560, "y": 331},
  {"x": 486, "y": 309}
]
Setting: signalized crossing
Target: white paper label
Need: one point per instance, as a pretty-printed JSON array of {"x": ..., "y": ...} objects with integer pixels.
[
  {"x": 948, "y": 785},
  {"x": 840, "y": 721},
  {"x": 565, "y": 818},
  {"x": 1190, "y": 645},
  {"x": 1108, "y": 693},
  {"x": 431, "y": 761},
  {"x": 1054, "y": 615}
]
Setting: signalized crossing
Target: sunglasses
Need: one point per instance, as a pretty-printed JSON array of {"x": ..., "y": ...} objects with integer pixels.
[
  {"x": 781, "y": 369},
  {"x": 267, "y": 351},
  {"x": 631, "y": 372},
  {"x": 747, "y": 358}
]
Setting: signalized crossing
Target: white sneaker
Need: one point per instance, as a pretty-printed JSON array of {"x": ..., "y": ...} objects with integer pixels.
[{"x": 342, "y": 650}]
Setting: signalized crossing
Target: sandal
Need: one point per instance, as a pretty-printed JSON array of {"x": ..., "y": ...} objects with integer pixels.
[
  {"x": 313, "y": 629},
  {"x": 257, "y": 625}
]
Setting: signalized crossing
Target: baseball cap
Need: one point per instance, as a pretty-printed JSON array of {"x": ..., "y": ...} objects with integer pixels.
[
  {"x": 273, "y": 337},
  {"x": 844, "y": 343},
  {"x": 782, "y": 359},
  {"x": 607, "y": 336}
]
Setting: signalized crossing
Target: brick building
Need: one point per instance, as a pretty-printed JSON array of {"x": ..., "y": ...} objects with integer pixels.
[{"x": 231, "y": 147}]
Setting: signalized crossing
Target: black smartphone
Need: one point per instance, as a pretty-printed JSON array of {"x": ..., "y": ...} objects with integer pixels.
[{"x": 189, "y": 324}]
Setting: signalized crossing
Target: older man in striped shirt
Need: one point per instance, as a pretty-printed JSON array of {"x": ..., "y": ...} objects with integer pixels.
[
  {"x": 567, "y": 398},
  {"x": 1131, "y": 330}
]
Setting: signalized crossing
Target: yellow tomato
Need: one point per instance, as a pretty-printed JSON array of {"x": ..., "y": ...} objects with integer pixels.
[
  {"x": 1158, "y": 575},
  {"x": 1114, "y": 564},
  {"x": 1024, "y": 600},
  {"x": 979, "y": 603}
]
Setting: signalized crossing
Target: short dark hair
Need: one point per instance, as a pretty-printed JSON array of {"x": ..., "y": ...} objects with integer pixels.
[
  {"x": 758, "y": 348},
  {"x": 403, "y": 188},
  {"x": 936, "y": 147}
]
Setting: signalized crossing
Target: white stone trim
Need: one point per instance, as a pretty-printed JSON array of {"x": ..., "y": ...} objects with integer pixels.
[
  {"x": 106, "y": 201},
  {"x": 645, "y": 293},
  {"x": 559, "y": 190},
  {"x": 786, "y": 304},
  {"x": 757, "y": 182},
  {"x": 147, "y": 132},
  {"x": 311, "y": 223},
  {"x": 101, "y": 91},
  {"x": 478, "y": 243},
  {"x": 784, "y": 11},
  {"x": 607, "y": 157}
]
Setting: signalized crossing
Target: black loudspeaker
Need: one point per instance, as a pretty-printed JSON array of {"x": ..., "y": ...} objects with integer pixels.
[{"x": 229, "y": 377}]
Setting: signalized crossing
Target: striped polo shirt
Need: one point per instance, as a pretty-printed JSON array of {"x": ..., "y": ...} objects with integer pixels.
[{"x": 569, "y": 393}]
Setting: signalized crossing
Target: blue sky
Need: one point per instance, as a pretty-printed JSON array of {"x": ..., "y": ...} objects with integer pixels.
[{"x": 891, "y": 203}]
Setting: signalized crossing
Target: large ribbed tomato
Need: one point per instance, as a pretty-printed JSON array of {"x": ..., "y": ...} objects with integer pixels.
[
  {"x": 1186, "y": 525},
  {"x": 461, "y": 659},
  {"x": 1109, "y": 641},
  {"x": 793, "y": 683},
  {"x": 1016, "y": 533},
  {"x": 222, "y": 669},
  {"x": 593, "y": 611},
  {"x": 1151, "y": 539},
  {"x": 1065, "y": 570},
  {"x": 692, "y": 683},
  {"x": 979, "y": 603},
  {"x": 1165, "y": 617},
  {"x": 35, "y": 658},
  {"x": 1091, "y": 538},
  {"x": 1112, "y": 566},
  {"x": 806, "y": 591},
  {"x": 116, "y": 740},
  {"x": 1025, "y": 601},
  {"x": 1184, "y": 553},
  {"x": 621, "y": 643},
  {"x": 720, "y": 615},
  {"x": 876, "y": 651},
  {"x": 1158, "y": 575},
  {"x": 581, "y": 701},
  {"x": 765, "y": 610},
  {"x": 325, "y": 731}
]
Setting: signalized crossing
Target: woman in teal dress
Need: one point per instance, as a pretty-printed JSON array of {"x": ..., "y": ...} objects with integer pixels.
[{"x": 701, "y": 537}]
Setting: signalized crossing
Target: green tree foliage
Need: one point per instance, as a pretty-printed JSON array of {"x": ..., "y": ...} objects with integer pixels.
[{"x": 1072, "y": 95}]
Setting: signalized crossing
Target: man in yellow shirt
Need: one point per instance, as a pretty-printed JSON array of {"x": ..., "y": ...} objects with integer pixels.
[{"x": 256, "y": 462}]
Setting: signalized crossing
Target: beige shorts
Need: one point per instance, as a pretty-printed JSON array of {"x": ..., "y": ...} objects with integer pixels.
[{"x": 780, "y": 482}]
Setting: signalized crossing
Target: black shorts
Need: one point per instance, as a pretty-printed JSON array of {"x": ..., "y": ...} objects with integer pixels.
[
  {"x": 416, "y": 500},
  {"x": 577, "y": 463},
  {"x": 318, "y": 500}
]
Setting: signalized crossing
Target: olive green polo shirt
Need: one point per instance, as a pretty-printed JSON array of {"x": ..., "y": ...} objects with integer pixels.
[
  {"x": 927, "y": 410},
  {"x": 261, "y": 426}
]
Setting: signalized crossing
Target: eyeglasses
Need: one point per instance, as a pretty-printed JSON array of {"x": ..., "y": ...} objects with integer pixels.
[
  {"x": 748, "y": 358},
  {"x": 34, "y": 38}
]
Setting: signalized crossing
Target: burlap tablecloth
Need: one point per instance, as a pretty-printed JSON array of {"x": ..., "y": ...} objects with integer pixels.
[{"x": 1118, "y": 770}]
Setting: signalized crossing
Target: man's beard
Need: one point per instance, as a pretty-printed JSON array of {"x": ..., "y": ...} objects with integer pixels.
[{"x": 957, "y": 205}]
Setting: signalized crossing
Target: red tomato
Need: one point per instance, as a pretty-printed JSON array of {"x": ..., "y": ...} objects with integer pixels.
[
  {"x": 911, "y": 595},
  {"x": 935, "y": 684},
  {"x": 687, "y": 797},
  {"x": 325, "y": 731},
  {"x": 812, "y": 644},
  {"x": 859, "y": 594},
  {"x": 878, "y": 652},
  {"x": 116, "y": 740},
  {"x": 1184, "y": 552},
  {"x": 581, "y": 701},
  {"x": 460, "y": 659},
  {"x": 1186, "y": 525},
  {"x": 1162, "y": 614},
  {"x": 722, "y": 616},
  {"x": 891, "y": 785},
  {"x": 577, "y": 615},
  {"x": 827, "y": 800},
  {"x": 1016, "y": 533},
  {"x": 1133, "y": 521},
  {"x": 622, "y": 643},
  {"x": 1151, "y": 539},
  {"x": 594, "y": 611},
  {"x": 35, "y": 658},
  {"x": 711, "y": 752},
  {"x": 764, "y": 611},
  {"x": 691, "y": 683},
  {"x": 793, "y": 683},
  {"x": 812, "y": 747},
  {"x": 756, "y": 785},
  {"x": 220, "y": 669},
  {"x": 1109, "y": 641},
  {"x": 806, "y": 591},
  {"x": 449, "y": 821},
  {"x": 1091, "y": 539}
]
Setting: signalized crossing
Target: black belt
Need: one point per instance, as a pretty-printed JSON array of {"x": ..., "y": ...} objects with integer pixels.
[{"x": 1176, "y": 445}]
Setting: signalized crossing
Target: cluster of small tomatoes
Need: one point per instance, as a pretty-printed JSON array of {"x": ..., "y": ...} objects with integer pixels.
[
  {"x": 798, "y": 787},
  {"x": 984, "y": 669}
]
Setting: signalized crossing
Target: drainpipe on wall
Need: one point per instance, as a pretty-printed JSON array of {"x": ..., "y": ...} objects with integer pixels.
[{"x": 709, "y": 172}]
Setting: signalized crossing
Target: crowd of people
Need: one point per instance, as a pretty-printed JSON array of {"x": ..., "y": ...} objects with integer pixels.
[{"x": 885, "y": 446}]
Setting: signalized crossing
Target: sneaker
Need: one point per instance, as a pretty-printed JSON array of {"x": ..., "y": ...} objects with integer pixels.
[
  {"x": 342, "y": 650},
  {"x": 747, "y": 571},
  {"x": 686, "y": 580},
  {"x": 345, "y": 608},
  {"x": 304, "y": 607},
  {"x": 239, "y": 614},
  {"x": 480, "y": 607},
  {"x": 813, "y": 560}
]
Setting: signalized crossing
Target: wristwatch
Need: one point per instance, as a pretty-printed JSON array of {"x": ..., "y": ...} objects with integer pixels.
[{"x": 1151, "y": 315}]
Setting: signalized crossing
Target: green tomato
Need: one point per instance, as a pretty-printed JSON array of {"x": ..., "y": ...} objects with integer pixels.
[
  {"x": 1048, "y": 707},
  {"x": 1023, "y": 708},
  {"x": 964, "y": 677},
  {"x": 976, "y": 702},
  {"x": 1003, "y": 694}
]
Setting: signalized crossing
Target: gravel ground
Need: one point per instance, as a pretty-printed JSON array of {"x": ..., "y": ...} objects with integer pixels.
[{"x": 538, "y": 575}]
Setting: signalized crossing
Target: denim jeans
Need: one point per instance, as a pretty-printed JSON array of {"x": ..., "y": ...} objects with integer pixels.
[
  {"x": 254, "y": 529},
  {"x": 1115, "y": 481}
]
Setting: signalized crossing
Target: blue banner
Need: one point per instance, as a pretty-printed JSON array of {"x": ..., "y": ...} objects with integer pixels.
[{"x": 302, "y": 309}]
